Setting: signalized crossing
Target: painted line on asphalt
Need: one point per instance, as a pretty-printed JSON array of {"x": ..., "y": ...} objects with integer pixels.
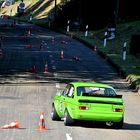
[{"x": 68, "y": 136}]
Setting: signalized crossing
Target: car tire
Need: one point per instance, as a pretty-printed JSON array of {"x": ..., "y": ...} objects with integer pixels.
[
  {"x": 54, "y": 115},
  {"x": 68, "y": 121},
  {"x": 119, "y": 125}
]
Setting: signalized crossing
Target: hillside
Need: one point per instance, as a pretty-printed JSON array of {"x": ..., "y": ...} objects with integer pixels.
[{"x": 40, "y": 10}]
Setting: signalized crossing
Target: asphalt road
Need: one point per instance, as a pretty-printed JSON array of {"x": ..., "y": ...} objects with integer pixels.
[{"x": 25, "y": 90}]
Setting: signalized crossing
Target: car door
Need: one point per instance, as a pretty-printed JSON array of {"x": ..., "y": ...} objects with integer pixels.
[
  {"x": 65, "y": 98},
  {"x": 62, "y": 100}
]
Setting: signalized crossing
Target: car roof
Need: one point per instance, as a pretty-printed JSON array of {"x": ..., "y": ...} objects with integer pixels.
[{"x": 81, "y": 83}]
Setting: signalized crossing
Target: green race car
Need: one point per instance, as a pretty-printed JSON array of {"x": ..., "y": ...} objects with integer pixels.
[{"x": 88, "y": 101}]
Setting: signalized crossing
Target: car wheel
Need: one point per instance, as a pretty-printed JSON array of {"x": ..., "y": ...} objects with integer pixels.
[
  {"x": 67, "y": 119},
  {"x": 54, "y": 115},
  {"x": 119, "y": 125}
]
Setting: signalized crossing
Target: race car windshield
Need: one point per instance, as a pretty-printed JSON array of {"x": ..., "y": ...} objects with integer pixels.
[{"x": 89, "y": 91}]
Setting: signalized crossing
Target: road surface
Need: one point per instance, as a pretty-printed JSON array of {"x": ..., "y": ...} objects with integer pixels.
[{"x": 25, "y": 90}]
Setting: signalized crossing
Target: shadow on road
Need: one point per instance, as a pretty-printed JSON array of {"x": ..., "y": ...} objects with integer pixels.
[{"x": 101, "y": 125}]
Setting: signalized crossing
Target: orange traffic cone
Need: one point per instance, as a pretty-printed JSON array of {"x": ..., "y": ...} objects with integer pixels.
[
  {"x": 62, "y": 55},
  {"x": 63, "y": 41},
  {"x": 14, "y": 124},
  {"x": 46, "y": 68},
  {"x": 94, "y": 48},
  {"x": 33, "y": 69},
  {"x": 41, "y": 125},
  {"x": 29, "y": 33},
  {"x": 29, "y": 46}
]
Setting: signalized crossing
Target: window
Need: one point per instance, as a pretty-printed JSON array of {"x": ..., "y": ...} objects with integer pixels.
[
  {"x": 80, "y": 90},
  {"x": 68, "y": 91},
  {"x": 89, "y": 91},
  {"x": 71, "y": 91}
]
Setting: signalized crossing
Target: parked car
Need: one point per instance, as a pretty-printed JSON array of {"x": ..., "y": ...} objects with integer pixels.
[{"x": 88, "y": 101}]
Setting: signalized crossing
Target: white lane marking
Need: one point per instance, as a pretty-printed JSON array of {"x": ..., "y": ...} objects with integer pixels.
[
  {"x": 68, "y": 136},
  {"x": 57, "y": 85}
]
